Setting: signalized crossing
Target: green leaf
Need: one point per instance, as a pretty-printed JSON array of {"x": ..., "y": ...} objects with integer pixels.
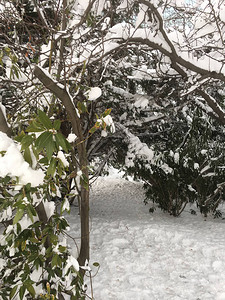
[
  {"x": 23, "y": 245},
  {"x": 44, "y": 119},
  {"x": 19, "y": 137},
  {"x": 93, "y": 129},
  {"x": 50, "y": 148},
  {"x": 26, "y": 141},
  {"x": 82, "y": 108},
  {"x": 22, "y": 292},
  {"x": 33, "y": 211},
  {"x": 31, "y": 290},
  {"x": 15, "y": 71},
  {"x": 35, "y": 127},
  {"x": 30, "y": 215},
  {"x": 18, "y": 216},
  {"x": 28, "y": 188},
  {"x": 57, "y": 124},
  {"x": 35, "y": 152},
  {"x": 62, "y": 249},
  {"x": 107, "y": 112},
  {"x": 27, "y": 156},
  {"x": 13, "y": 291},
  {"x": 84, "y": 182},
  {"x": 54, "y": 260},
  {"x": 43, "y": 160},
  {"x": 6, "y": 180},
  {"x": 43, "y": 140},
  {"x": 52, "y": 167},
  {"x": 61, "y": 141}
]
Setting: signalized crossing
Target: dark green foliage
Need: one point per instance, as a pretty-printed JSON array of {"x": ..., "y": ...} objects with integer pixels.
[{"x": 189, "y": 168}]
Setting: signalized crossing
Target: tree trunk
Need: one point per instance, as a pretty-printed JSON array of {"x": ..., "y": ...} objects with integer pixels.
[{"x": 4, "y": 127}]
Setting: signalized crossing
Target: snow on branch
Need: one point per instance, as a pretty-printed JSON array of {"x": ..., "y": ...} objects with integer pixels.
[{"x": 214, "y": 105}]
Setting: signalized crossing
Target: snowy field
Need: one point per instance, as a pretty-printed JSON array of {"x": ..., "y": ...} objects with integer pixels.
[{"x": 145, "y": 256}]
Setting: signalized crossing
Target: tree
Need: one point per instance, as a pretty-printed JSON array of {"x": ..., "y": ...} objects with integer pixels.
[
  {"x": 152, "y": 62},
  {"x": 25, "y": 58}
]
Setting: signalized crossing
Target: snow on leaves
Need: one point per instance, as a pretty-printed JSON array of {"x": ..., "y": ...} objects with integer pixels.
[{"x": 14, "y": 165}]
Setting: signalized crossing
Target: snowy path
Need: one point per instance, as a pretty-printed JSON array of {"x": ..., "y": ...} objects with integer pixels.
[{"x": 146, "y": 256}]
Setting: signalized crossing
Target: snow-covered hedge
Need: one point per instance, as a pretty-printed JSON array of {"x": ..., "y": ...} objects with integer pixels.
[{"x": 185, "y": 165}]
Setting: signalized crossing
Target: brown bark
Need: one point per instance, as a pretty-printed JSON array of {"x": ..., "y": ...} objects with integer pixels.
[
  {"x": 41, "y": 212},
  {"x": 3, "y": 124}
]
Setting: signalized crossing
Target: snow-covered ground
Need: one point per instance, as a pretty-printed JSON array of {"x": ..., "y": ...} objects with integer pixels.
[{"x": 145, "y": 256}]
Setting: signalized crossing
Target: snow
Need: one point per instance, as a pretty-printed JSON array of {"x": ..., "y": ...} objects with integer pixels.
[
  {"x": 94, "y": 93},
  {"x": 62, "y": 157},
  {"x": 13, "y": 164},
  {"x": 141, "y": 102},
  {"x": 176, "y": 157},
  {"x": 222, "y": 16},
  {"x": 141, "y": 15},
  {"x": 123, "y": 5},
  {"x": 109, "y": 122},
  {"x": 196, "y": 166},
  {"x": 49, "y": 208},
  {"x": 138, "y": 149},
  {"x": 71, "y": 138},
  {"x": 150, "y": 256},
  {"x": 71, "y": 262},
  {"x": 25, "y": 222}
]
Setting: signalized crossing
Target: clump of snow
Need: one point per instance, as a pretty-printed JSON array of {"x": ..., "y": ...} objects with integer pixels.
[
  {"x": 176, "y": 157},
  {"x": 71, "y": 262},
  {"x": 25, "y": 222},
  {"x": 13, "y": 164},
  {"x": 36, "y": 276},
  {"x": 78, "y": 179},
  {"x": 49, "y": 208},
  {"x": 166, "y": 169},
  {"x": 203, "y": 152},
  {"x": 105, "y": 23},
  {"x": 66, "y": 205},
  {"x": 62, "y": 157},
  {"x": 137, "y": 149},
  {"x": 94, "y": 93},
  {"x": 6, "y": 214},
  {"x": 196, "y": 166},
  {"x": 71, "y": 138},
  {"x": 123, "y": 5},
  {"x": 2, "y": 263},
  {"x": 109, "y": 123},
  {"x": 141, "y": 102}
]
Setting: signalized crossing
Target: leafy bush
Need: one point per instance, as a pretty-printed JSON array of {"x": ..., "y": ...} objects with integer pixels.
[
  {"x": 190, "y": 169},
  {"x": 35, "y": 262}
]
